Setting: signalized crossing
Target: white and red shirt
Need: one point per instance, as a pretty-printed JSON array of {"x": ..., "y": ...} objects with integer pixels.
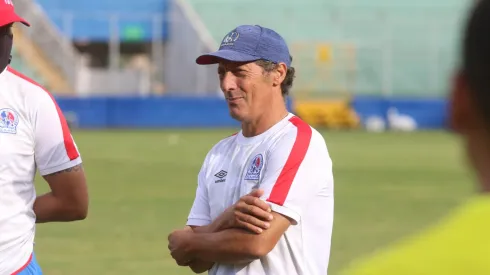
[
  {"x": 290, "y": 161},
  {"x": 33, "y": 135}
]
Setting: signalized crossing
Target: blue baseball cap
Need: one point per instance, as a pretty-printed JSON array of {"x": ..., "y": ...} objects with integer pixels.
[{"x": 248, "y": 43}]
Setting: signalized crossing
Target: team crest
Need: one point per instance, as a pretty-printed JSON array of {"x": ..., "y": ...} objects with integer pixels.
[
  {"x": 230, "y": 39},
  {"x": 9, "y": 119},
  {"x": 253, "y": 172}
]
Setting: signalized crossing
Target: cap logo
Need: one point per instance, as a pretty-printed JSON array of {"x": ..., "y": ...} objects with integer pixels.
[
  {"x": 230, "y": 39},
  {"x": 9, "y": 2}
]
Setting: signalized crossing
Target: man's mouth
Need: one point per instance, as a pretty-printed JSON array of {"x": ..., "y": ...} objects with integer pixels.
[{"x": 234, "y": 99}]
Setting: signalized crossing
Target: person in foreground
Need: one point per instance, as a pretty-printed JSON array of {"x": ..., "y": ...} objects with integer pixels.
[
  {"x": 33, "y": 135},
  {"x": 459, "y": 244},
  {"x": 264, "y": 200}
]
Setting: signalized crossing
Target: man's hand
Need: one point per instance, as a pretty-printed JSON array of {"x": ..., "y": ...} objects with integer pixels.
[
  {"x": 178, "y": 246},
  {"x": 249, "y": 213}
]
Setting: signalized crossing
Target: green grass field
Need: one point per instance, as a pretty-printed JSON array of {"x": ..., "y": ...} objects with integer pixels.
[{"x": 142, "y": 184}]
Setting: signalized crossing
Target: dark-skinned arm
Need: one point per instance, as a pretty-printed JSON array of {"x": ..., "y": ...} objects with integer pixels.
[
  {"x": 58, "y": 161},
  {"x": 68, "y": 199}
]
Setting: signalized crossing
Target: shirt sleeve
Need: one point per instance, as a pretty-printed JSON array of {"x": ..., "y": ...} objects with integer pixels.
[
  {"x": 200, "y": 213},
  {"x": 298, "y": 168},
  {"x": 54, "y": 149}
]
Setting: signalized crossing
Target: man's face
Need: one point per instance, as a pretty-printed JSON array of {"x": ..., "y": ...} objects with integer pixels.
[
  {"x": 6, "y": 30},
  {"x": 247, "y": 89},
  {"x": 6, "y": 41}
]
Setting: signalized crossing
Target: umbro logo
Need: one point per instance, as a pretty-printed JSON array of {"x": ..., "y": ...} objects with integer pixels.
[{"x": 221, "y": 175}]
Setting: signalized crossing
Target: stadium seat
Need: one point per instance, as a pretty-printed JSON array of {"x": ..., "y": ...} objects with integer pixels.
[{"x": 333, "y": 114}]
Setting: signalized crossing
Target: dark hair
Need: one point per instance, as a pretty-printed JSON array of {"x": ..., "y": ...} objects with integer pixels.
[
  {"x": 476, "y": 55},
  {"x": 269, "y": 66}
]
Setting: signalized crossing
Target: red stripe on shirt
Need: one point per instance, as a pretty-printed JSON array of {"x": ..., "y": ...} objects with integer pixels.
[
  {"x": 296, "y": 156},
  {"x": 23, "y": 267},
  {"x": 70, "y": 148}
]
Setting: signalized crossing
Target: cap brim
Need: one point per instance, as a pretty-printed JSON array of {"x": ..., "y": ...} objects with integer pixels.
[
  {"x": 12, "y": 18},
  {"x": 228, "y": 55}
]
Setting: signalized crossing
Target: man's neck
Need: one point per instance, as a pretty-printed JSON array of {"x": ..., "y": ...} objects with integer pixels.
[{"x": 264, "y": 122}]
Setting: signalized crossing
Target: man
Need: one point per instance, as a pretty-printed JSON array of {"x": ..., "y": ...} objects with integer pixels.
[
  {"x": 276, "y": 157},
  {"x": 459, "y": 244},
  {"x": 33, "y": 134}
]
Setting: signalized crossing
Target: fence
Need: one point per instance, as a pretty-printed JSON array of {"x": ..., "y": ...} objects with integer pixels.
[{"x": 209, "y": 112}]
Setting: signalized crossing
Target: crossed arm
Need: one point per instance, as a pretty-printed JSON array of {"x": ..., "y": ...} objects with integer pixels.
[
  {"x": 237, "y": 245},
  {"x": 235, "y": 237}
]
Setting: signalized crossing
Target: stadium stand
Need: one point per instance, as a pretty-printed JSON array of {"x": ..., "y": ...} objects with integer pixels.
[
  {"x": 19, "y": 64},
  {"x": 49, "y": 47},
  {"x": 92, "y": 20},
  {"x": 340, "y": 46},
  {"x": 348, "y": 51},
  {"x": 46, "y": 50},
  {"x": 31, "y": 59},
  {"x": 357, "y": 55}
]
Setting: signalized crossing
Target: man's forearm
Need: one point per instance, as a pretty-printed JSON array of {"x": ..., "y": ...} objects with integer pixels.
[
  {"x": 198, "y": 265},
  {"x": 230, "y": 246},
  {"x": 49, "y": 208},
  {"x": 219, "y": 224},
  {"x": 213, "y": 227}
]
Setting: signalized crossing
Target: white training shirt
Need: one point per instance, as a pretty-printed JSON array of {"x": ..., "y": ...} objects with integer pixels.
[
  {"x": 33, "y": 134},
  {"x": 290, "y": 161}
]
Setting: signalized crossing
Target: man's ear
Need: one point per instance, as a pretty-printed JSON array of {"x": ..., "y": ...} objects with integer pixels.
[{"x": 279, "y": 74}]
